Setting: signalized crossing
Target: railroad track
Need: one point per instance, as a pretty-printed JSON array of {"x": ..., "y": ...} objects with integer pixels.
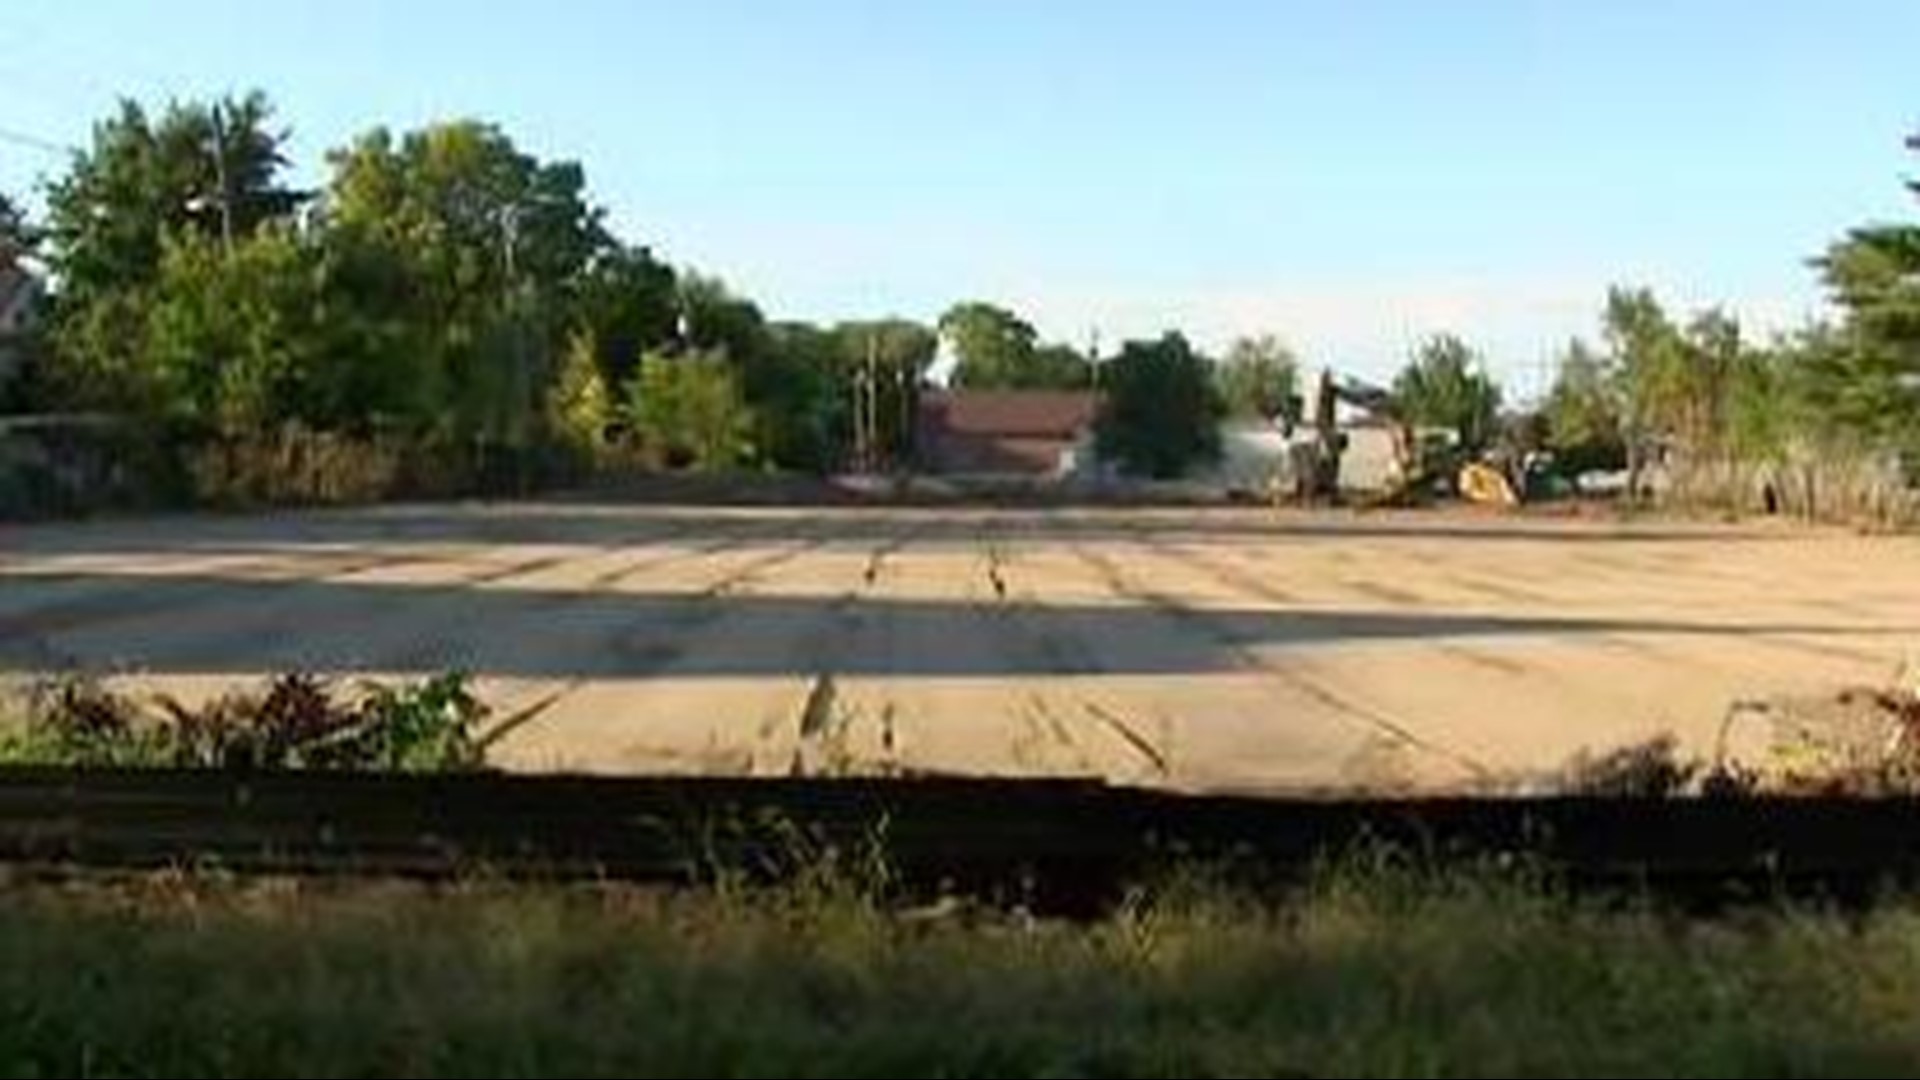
[{"x": 1064, "y": 845}]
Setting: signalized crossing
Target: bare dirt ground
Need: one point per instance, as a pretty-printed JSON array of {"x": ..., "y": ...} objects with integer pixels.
[{"x": 1206, "y": 648}]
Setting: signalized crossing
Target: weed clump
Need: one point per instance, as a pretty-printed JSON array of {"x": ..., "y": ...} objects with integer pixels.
[{"x": 298, "y": 721}]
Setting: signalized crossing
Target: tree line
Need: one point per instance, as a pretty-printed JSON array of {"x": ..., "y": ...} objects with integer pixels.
[
  {"x": 463, "y": 305},
  {"x": 444, "y": 291}
]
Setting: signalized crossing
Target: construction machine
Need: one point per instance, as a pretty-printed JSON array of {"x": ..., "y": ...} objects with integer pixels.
[{"x": 1417, "y": 459}]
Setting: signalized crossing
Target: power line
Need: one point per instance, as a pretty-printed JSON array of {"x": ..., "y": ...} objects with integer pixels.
[{"x": 21, "y": 138}]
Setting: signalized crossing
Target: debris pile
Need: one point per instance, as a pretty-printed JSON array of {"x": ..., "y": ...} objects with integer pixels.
[{"x": 1859, "y": 742}]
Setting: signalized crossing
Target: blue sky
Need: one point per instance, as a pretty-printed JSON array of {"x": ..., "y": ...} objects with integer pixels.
[{"x": 1349, "y": 175}]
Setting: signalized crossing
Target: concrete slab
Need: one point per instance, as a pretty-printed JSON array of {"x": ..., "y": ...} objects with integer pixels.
[{"x": 1202, "y": 648}]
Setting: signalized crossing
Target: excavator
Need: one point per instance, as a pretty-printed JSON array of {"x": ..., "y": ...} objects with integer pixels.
[{"x": 1421, "y": 458}]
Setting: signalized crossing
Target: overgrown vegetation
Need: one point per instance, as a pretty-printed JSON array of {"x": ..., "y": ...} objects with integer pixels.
[
  {"x": 296, "y": 722},
  {"x": 1376, "y": 969}
]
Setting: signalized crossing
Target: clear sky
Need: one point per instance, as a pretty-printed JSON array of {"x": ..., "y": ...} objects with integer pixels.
[{"x": 1347, "y": 174}]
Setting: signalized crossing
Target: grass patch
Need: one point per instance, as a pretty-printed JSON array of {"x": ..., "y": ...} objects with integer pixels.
[{"x": 1371, "y": 970}]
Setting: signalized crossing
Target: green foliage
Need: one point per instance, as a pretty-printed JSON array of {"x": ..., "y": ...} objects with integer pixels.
[
  {"x": 626, "y": 302},
  {"x": 1058, "y": 366},
  {"x": 1259, "y": 378},
  {"x": 804, "y": 407},
  {"x": 786, "y": 374},
  {"x": 1584, "y": 410},
  {"x": 230, "y": 336},
  {"x": 144, "y": 179},
  {"x": 580, "y": 410},
  {"x": 299, "y": 722},
  {"x": 688, "y": 410},
  {"x": 992, "y": 346},
  {"x": 996, "y": 349},
  {"x": 431, "y": 726},
  {"x": 1445, "y": 385},
  {"x": 1646, "y": 346},
  {"x": 492, "y": 245},
  {"x": 1161, "y": 413},
  {"x": 146, "y": 183},
  {"x": 433, "y": 305},
  {"x": 1864, "y": 379}
]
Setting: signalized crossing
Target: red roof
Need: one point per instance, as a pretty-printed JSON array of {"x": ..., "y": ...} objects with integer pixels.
[{"x": 1034, "y": 414}]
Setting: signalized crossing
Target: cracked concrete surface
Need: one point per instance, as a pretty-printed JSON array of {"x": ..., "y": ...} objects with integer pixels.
[{"x": 1204, "y": 648}]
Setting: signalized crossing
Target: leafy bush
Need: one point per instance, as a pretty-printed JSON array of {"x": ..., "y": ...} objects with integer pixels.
[
  {"x": 689, "y": 410},
  {"x": 299, "y": 722}
]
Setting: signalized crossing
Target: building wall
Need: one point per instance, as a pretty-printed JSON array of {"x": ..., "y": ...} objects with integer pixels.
[{"x": 1026, "y": 456}]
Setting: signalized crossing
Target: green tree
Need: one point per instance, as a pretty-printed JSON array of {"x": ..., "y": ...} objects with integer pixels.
[
  {"x": 495, "y": 246},
  {"x": 1259, "y": 378},
  {"x": 1767, "y": 413},
  {"x": 1649, "y": 357},
  {"x": 143, "y": 182},
  {"x": 787, "y": 374},
  {"x": 382, "y": 372},
  {"x": 275, "y": 330},
  {"x": 1713, "y": 357},
  {"x": 626, "y": 303},
  {"x": 1445, "y": 385},
  {"x": 1162, "y": 413},
  {"x": 1864, "y": 383},
  {"x": 992, "y": 347},
  {"x": 995, "y": 349},
  {"x": 1059, "y": 366},
  {"x": 718, "y": 319},
  {"x": 805, "y": 407},
  {"x": 230, "y": 336},
  {"x": 688, "y": 410},
  {"x": 1584, "y": 410},
  {"x": 144, "y": 179}
]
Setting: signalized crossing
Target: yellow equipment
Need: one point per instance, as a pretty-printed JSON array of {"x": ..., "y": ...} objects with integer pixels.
[{"x": 1482, "y": 483}]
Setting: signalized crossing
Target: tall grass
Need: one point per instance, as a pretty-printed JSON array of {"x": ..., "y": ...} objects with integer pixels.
[
  {"x": 1373, "y": 970},
  {"x": 1836, "y": 486}
]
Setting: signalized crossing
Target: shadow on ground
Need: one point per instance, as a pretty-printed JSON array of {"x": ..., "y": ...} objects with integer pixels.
[{"x": 211, "y": 625}]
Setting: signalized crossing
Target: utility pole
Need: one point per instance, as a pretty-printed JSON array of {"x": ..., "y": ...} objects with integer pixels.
[
  {"x": 905, "y": 382},
  {"x": 875, "y": 450},
  {"x": 220, "y": 177},
  {"x": 859, "y": 421},
  {"x": 517, "y": 311}
]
